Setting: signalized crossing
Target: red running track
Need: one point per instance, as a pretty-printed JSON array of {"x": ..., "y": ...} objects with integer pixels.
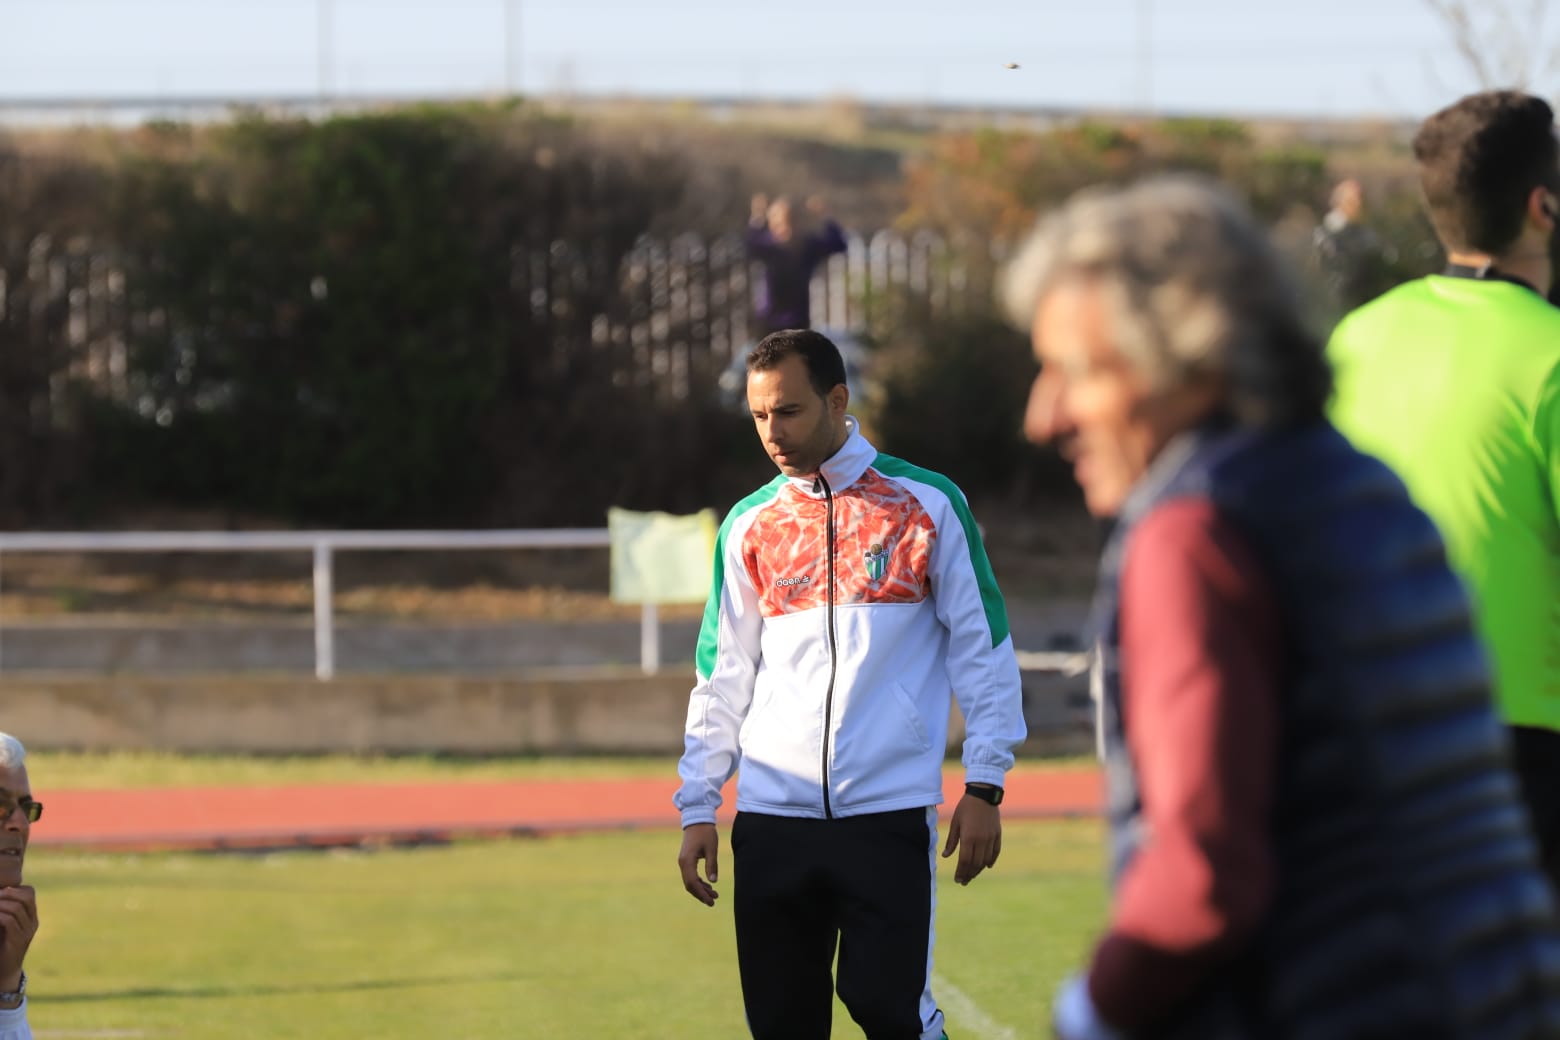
[{"x": 352, "y": 814}]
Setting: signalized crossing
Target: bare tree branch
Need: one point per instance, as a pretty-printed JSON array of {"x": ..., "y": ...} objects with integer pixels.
[
  {"x": 1465, "y": 38},
  {"x": 1501, "y": 44}
]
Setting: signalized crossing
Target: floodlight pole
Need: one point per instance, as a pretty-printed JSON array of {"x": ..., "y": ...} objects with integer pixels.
[
  {"x": 1145, "y": 19},
  {"x": 322, "y": 48},
  {"x": 511, "y": 36}
]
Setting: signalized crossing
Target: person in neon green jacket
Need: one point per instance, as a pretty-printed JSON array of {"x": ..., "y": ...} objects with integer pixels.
[{"x": 1454, "y": 381}]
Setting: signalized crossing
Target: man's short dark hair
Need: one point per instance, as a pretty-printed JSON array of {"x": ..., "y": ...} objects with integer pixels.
[
  {"x": 825, "y": 367},
  {"x": 1479, "y": 160}
]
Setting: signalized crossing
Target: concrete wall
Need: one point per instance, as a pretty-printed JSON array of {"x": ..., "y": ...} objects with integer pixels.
[
  {"x": 95, "y": 646},
  {"x": 141, "y": 646},
  {"x": 599, "y": 711}
]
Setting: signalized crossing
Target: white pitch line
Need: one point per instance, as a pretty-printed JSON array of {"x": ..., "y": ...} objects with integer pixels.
[{"x": 967, "y": 1016}]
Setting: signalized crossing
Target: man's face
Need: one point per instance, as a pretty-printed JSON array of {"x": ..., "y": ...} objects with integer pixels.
[
  {"x": 780, "y": 219},
  {"x": 1349, "y": 199},
  {"x": 798, "y": 428},
  {"x": 15, "y": 828},
  {"x": 1097, "y": 409}
]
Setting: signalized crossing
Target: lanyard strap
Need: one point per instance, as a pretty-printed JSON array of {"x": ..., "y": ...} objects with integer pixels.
[{"x": 1484, "y": 273}]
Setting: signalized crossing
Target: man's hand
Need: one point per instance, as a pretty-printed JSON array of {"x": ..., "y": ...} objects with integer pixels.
[
  {"x": 700, "y": 841},
  {"x": 1073, "y": 1016},
  {"x": 18, "y": 925},
  {"x": 976, "y": 831}
]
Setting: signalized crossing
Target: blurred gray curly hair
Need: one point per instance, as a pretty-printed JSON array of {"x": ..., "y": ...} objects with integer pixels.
[
  {"x": 1193, "y": 286},
  {"x": 12, "y": 754}
]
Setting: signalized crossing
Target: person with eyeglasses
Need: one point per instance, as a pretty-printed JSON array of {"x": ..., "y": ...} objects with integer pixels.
[{"x": 18, "y": 902}]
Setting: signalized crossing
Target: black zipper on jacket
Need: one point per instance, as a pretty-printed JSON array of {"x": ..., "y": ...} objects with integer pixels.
[{"x": 828, "y": 700}]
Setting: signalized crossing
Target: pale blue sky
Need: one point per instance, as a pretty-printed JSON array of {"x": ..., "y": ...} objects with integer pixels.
[{"x": 1316, "y": 57}]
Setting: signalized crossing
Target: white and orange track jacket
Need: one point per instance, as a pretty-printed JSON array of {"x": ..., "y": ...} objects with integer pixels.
[{"x": 846, "y": 611}]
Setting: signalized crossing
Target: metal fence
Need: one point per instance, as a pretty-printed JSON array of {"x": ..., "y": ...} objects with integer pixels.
[
  {"x": 682, "y": 306},
  {"x": 667, "y": 316},
  {"x": 325, "y": 544}
]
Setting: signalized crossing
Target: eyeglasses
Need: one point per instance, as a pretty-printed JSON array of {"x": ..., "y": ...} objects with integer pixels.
[{"x": 10, "y": 803}]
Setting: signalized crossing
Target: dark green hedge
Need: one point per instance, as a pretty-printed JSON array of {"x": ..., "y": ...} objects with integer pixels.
[
  {"x": 342, "y": 322},
  {"x": 340, "y": 338}
]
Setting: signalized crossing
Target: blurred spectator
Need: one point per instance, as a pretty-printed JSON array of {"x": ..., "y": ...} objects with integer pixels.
[
  {"x": 1454, "y": 381},
  {"x": 790, "y": 255},
  {"x": 1351, "y": 259},
  {"x": 1314, "y": 829},
  {"x": 18, "y": 902}
]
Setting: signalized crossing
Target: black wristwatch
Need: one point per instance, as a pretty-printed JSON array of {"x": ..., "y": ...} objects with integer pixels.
[{"x": 985, "y": 792}]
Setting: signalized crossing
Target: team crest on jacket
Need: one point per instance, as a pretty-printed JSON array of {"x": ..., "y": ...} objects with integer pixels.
[{"x": 876, "y": 558}]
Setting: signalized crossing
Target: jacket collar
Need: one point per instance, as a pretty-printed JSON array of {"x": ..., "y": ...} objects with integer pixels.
[
  {"x": 844, "y": 467},
  {"x": 1169, "y": 463}
]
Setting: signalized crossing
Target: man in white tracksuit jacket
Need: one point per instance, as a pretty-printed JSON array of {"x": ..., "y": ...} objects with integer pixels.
[{"x": 852, "y": 600}]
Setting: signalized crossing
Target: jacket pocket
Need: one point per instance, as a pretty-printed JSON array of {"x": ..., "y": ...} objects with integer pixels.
[
  {"x": 762, "y": 699},
  {"x": 914, "y": 724}
]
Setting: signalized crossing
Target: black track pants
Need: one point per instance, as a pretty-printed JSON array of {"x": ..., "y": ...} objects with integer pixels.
[{"x": 867, "y": 882}]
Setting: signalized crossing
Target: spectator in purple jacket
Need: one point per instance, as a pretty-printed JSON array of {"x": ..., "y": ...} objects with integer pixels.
[{"x": 790, "y": 256}]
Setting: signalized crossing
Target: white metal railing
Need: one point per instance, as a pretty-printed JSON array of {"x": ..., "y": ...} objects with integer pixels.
[
  {"x": 323, "y": 545},
  {"x": 1069, "y": 663}
]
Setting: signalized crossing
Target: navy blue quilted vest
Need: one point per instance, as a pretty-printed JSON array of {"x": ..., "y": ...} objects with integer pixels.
[{"x": 1408, "y": 903}]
